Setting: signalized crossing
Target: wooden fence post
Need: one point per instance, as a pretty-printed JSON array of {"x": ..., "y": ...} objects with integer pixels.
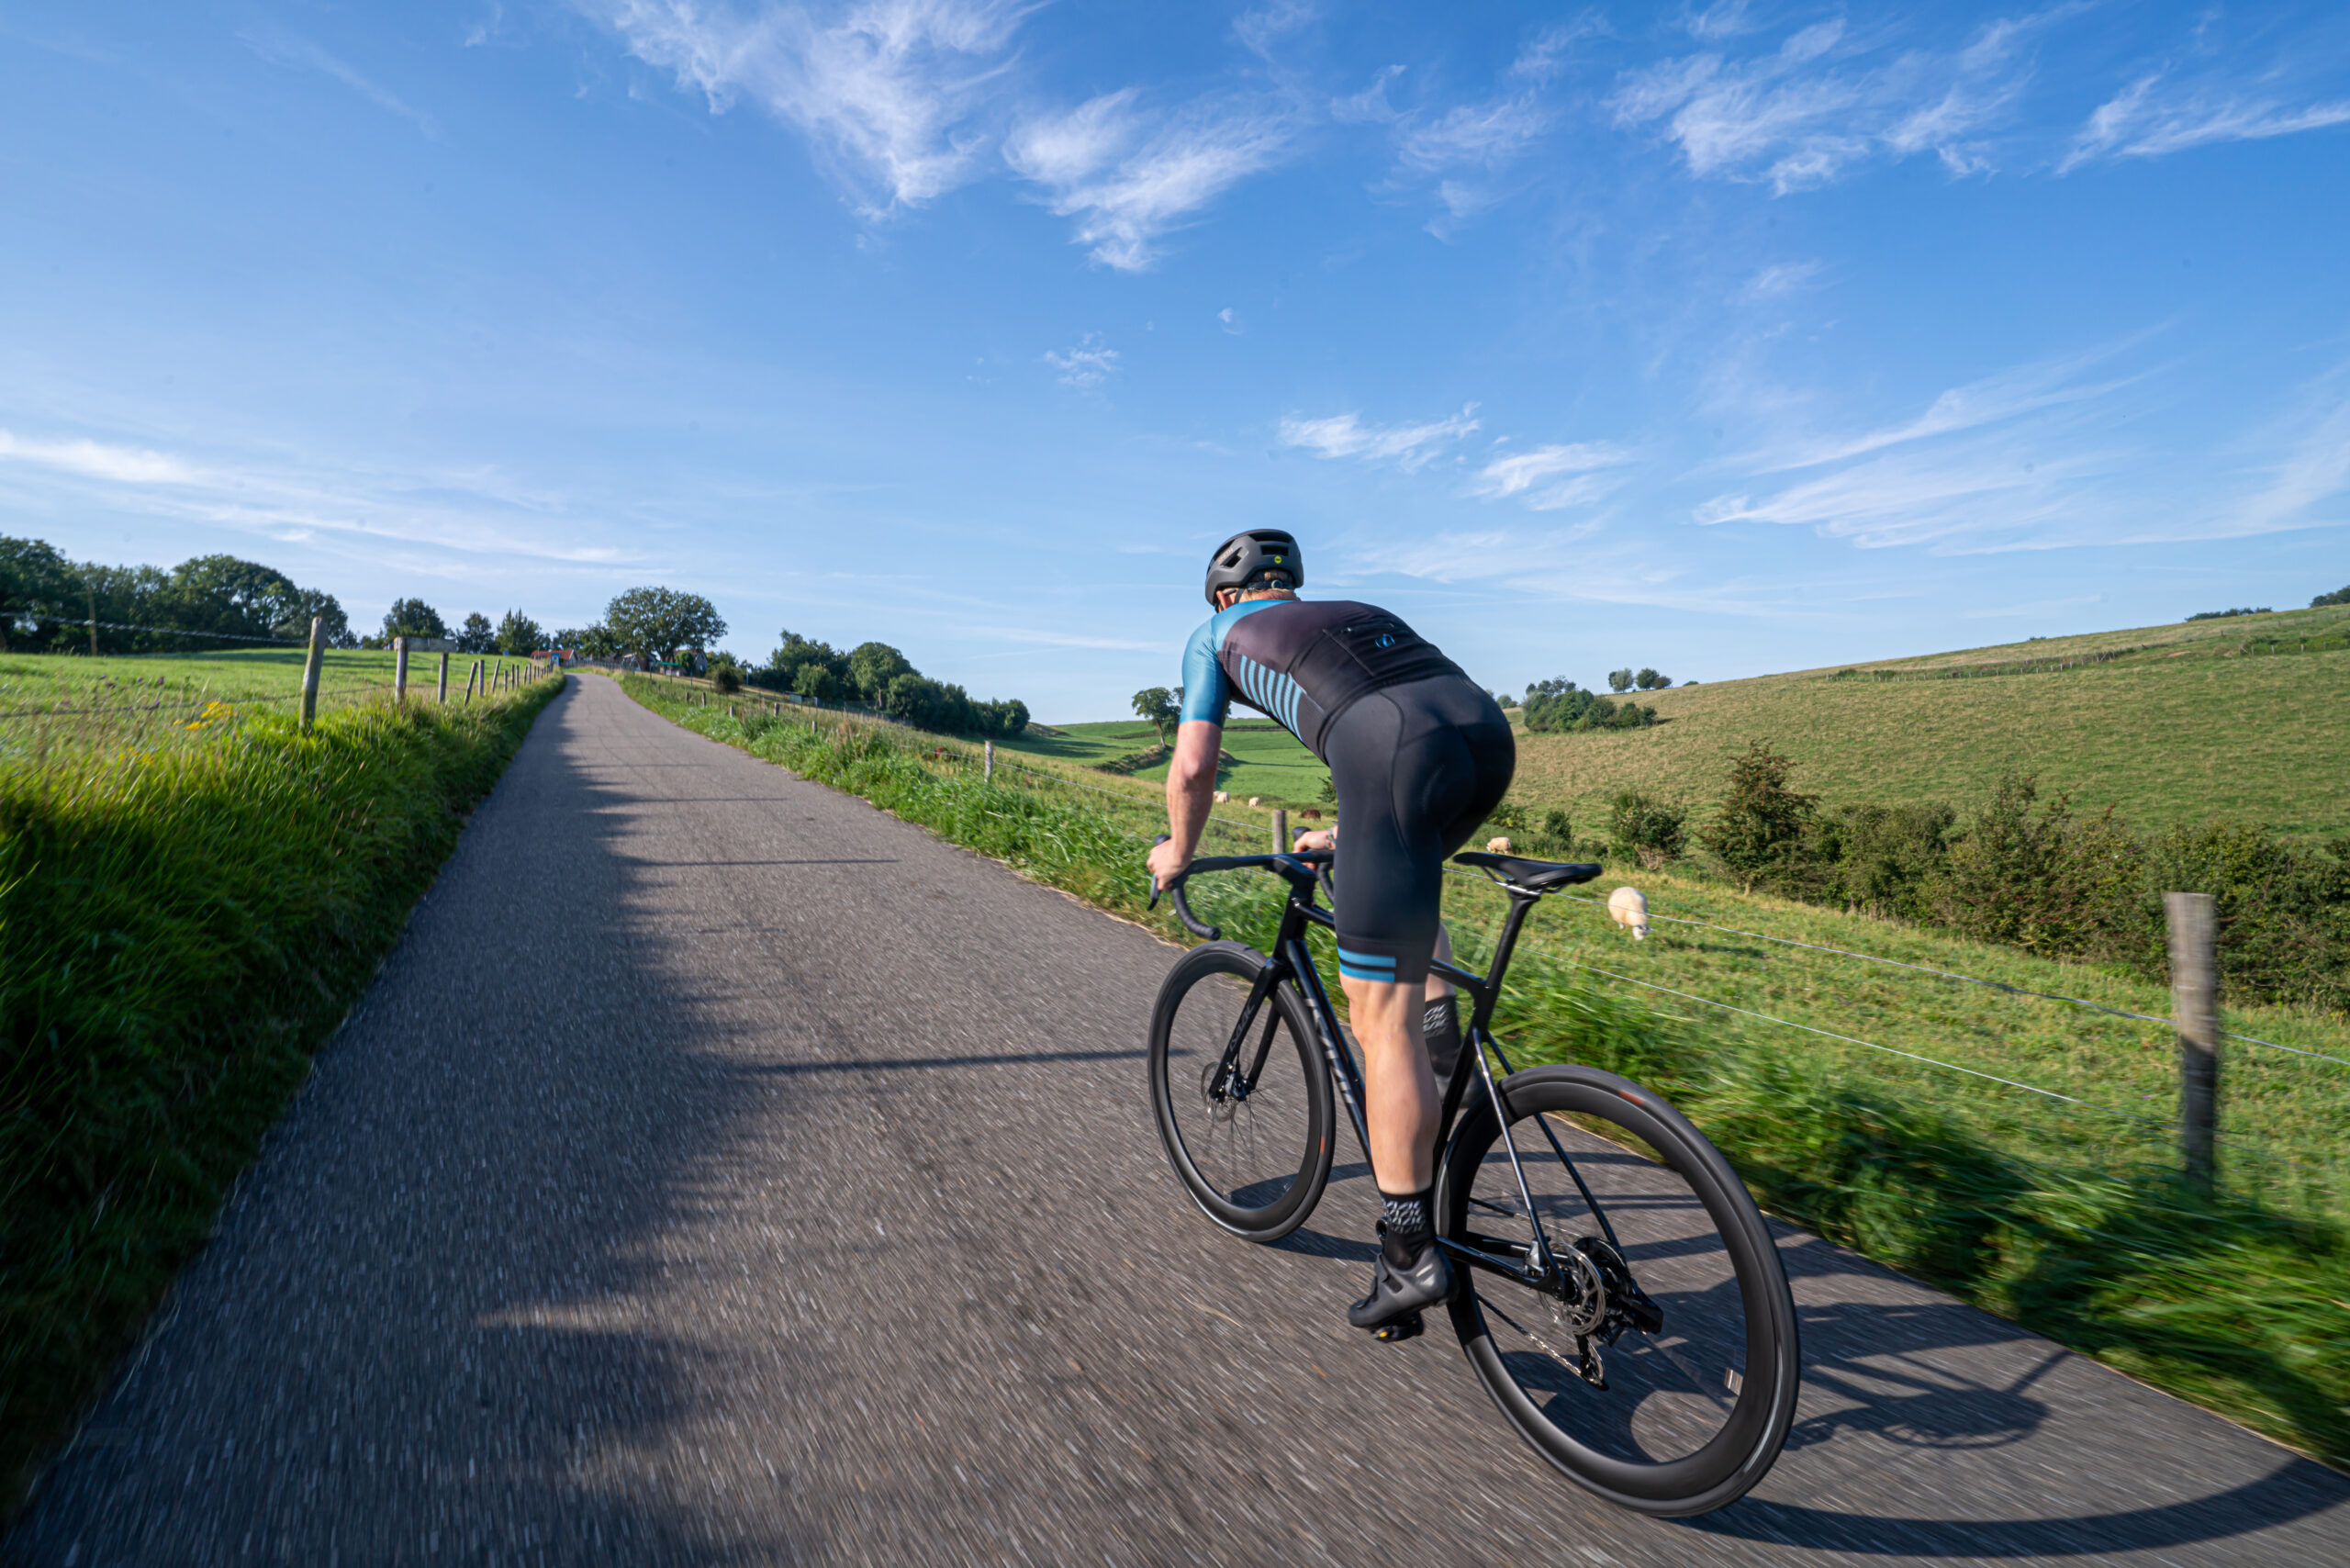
[
  {"x": 443, "y": 696},
  {"x": 990, "y": 753},
  {"x": 2195, "y": 1005},
  {"x": 310, "y": 671},
  {"x": 399, "y": 670},
  {"x": 1281, "y": 831}
]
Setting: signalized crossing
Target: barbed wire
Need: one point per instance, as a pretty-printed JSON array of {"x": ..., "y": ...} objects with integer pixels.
[
  {"x": 1856, "y": 1040},
  {"x": 201, "y": 697},
  {"x": 1970, "y": 980},
  {"x": 185, "y": 631}
]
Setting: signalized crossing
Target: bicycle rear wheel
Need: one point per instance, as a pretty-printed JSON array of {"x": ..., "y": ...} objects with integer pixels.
[
  {"x": 1659, "y": 1370},
  {"x": 1249, "y": 1140}
]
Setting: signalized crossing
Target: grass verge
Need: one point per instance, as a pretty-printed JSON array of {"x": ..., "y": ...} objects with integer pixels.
[
  {"x": 2230, "y": 1301},
  {"x": 179, "y": 928}
]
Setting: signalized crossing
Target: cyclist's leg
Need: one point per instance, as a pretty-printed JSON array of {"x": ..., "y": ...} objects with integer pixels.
[{"x": 1404, "y": 773}]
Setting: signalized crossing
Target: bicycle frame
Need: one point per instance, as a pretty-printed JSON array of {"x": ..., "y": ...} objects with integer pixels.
[{"x": 1290, "y": 960}]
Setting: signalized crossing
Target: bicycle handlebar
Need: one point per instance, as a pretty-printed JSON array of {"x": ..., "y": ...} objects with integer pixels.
[{"x": 1174, "y": 890}]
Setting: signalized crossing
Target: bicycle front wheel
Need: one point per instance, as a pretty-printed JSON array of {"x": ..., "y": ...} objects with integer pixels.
[
  {"x": 1654, "y": 1359},
  {"x": 1241, "y": 1093}
]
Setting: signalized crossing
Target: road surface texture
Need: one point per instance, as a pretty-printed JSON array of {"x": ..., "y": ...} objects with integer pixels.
[{"x": 721, "y": 1171}]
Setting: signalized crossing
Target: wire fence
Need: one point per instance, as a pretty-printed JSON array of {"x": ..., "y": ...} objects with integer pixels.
[{"x": 1972, "y": 979}]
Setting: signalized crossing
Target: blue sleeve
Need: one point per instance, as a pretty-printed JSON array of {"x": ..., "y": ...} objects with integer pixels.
[{"x": 1206, "y": 694}]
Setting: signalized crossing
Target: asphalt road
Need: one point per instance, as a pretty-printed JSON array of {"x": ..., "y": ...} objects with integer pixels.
[{"x": 721, "y": 1171}]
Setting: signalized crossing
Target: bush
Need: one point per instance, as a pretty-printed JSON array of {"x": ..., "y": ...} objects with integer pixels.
[
  {"x": 725, "y": 678},
  {"x": 2043, "y": 880},
  {"x": 2339, "y": 596},
  {"x": 1647, "y": 828},
  {"x": 1763, "y": 817}
]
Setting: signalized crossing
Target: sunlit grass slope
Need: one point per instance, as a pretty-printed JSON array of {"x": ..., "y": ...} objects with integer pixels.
[
  {"x": 1271, "y": 763},
  {"x": 2173, "y": 724}
]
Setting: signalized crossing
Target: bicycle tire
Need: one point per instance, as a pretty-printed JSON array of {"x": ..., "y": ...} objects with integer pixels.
[
  {"x": 1660, "y": 1387},
  {"x": 1227, "y": 1152}
]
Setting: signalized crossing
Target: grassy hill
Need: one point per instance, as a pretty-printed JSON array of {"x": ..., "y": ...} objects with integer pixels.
[
  {"x": 2183, "y": 723},
  {"x": 1271, "y": 763},
  {"x": 2167, "y": 723}
]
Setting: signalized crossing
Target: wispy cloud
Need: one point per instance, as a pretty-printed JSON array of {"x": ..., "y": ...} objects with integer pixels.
[
  {"x": 96, "y": 460},
  {"x": 2150, "y": 117},
  {"x": 292, "y": 53},
  {"x": 356, "y": 510},
  {"x": 2024, "y": 389},
  {"x": 1781, "y": 278},
  {"x": 1087, "y": 365},
  {"x": 1128, "y": 177},
  {"x": 1412, "y": 447},
  {"x": 1261, "y": 26},
  {"x": 1823, "y": 101},
  {"x": 1466, "y": 147},
  {"x": 1529, "y": 476},
  {"x": 889, "y": 90}
]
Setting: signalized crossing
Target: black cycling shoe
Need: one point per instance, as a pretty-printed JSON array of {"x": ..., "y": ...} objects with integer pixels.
[{"x": 1399, "y": 1293}]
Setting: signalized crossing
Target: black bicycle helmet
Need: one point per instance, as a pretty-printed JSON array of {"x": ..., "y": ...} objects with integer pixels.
[{"x": 1261, "y": 553}]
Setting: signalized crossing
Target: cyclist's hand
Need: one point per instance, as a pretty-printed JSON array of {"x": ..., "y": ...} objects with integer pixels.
[
  {"x": 1315, "y": 838},
  {"x": 1166, "y": 863}
]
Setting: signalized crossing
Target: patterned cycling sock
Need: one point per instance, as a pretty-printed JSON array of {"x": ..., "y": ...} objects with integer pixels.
[
  {"x": 1440, "y": 1025},
  {"x": 1407, "y": 1229}
]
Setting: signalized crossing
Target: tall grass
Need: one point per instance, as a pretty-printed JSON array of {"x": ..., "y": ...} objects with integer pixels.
[
  {"x": 2228, "y": 1300},
  {"x": 179, "y": 928}
]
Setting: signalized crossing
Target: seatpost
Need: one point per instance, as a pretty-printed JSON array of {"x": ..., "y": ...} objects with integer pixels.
[{"x": 1519, "y": 904}]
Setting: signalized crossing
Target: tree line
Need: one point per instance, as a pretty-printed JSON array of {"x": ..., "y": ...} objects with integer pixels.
[
  {"x": 883, "y": 678},
  {"x": 48, "y": 604}
]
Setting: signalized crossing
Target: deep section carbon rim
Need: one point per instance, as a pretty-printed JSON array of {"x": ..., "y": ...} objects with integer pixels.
[
  {"x": 1658, "y": 1369},
  {"x": 1252, "y": 1143}
]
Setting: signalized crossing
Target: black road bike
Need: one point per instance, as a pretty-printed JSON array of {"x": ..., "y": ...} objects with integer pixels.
[{"x": 1615, "y": 1287}]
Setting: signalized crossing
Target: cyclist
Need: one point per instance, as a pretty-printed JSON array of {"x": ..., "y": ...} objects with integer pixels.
[{"x": 1419, "y": 756}]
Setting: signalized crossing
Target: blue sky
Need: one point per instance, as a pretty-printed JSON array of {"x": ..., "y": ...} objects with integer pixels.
[{"x": 1722, "y": 340}]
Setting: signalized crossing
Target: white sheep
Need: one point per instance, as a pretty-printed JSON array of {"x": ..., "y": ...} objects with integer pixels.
[
  {"x": 1222, "y": 798},
  {"x": 1497, "y": 846},
  {"x": 1626, "y": 907}
]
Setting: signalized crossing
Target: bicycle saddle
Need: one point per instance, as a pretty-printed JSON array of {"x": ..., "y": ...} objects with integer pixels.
[{"x": 1534, "y": 876}]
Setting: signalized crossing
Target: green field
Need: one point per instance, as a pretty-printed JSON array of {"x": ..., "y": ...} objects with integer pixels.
[
  {"x": 52, "y": 701},
  {"x": 1271, "y": 763},
  {"x": 2175, "y": 725}
]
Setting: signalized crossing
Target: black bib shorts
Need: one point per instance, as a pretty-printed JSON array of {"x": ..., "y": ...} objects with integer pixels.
[{"x": 1417, "y": 768}]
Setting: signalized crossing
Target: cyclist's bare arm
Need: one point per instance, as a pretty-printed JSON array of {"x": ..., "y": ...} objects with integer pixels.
[{"x": 1190, "y": 789}]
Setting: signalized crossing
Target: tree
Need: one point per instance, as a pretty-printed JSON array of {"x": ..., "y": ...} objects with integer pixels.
[
  {"x": 38, "y": 587},
  {"x": 477, "y": 635},
  {"x": 653, "y": 620},
  {"x": 413, "y": 617},
  {"x": 517, "y": 634},
  {"x": 1762, "y": 816},
  {"x": 874, "y": 667},
  {"x": 815, "y": 681},
  {"x": 1649, "y": 680},
  {"x": 1620, "y": 680},
  {"x": 1157, "y": 706},
  {"x": 2339, "y": 596}
]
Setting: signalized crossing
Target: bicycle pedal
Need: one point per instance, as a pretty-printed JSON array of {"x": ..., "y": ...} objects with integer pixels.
[{"x": 1403, "y": 1328}]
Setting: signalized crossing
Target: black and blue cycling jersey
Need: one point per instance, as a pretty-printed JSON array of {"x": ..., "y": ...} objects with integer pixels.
[
  {"x": 1302, "y": 663},
  {"x": 1419, "y": 755}
]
